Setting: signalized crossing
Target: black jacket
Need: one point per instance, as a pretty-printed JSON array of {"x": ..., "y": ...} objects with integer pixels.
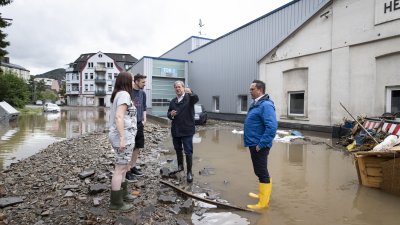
[{"x": 183, "y": 122}]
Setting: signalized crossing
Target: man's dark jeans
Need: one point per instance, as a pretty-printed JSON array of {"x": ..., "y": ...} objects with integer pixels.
[
  {"x": 260, "y": 163},
  {"x": 186, "y": 142}
]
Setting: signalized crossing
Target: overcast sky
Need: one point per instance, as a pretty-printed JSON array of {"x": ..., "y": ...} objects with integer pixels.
[{"x": 48, "y": 34}]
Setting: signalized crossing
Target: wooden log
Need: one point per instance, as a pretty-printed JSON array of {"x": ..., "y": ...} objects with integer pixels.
[{"x": 218, "y": 204}]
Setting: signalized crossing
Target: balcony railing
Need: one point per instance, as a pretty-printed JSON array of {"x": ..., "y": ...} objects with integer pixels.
[
  {"x": 100, "y": 93},
  {"x": 75, "y": 92},
  {"x": 100, "y": 81},
  {"x": 100, "y": 69}
]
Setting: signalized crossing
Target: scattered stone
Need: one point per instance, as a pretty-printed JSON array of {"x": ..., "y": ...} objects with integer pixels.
[
  {"x": 165, "y": 172},
  {"x": 69, "y": 194},
  {"x": 124, "y": 221},
  {"x": 187, "y": 206},
  {"x": 181, "y": 222},
  {"x": 96, "y": 201},
  {"x": 97, "y": 188},
  {"x": 9, "y": 201},
  {"x": 69, "y": 187},
  {"x": 86, "y": 173},
  {"x": 167, "y": 199}
]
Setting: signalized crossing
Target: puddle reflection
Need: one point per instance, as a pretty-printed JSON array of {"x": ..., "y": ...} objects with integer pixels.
[
  {"x": 312, "y": 184},
  {"x": 31, "y": 133}
]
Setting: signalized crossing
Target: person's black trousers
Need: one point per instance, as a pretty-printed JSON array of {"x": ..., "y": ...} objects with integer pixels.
[{"x": 260, "y": 163}]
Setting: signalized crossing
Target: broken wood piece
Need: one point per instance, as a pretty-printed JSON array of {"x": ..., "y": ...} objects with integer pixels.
[{"x": 218, "y": 204}]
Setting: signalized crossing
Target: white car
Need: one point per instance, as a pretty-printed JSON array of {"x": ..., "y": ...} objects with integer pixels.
[{"x": 50, "y": 107}]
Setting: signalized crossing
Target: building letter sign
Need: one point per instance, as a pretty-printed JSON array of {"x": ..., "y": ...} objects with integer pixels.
[{"x": 386, "y": 10}]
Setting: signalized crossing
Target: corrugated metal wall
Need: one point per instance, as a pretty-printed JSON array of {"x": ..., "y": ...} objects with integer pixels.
[
  {"x": 226, "y": 67},
  {"x": 180, "y": 51}
]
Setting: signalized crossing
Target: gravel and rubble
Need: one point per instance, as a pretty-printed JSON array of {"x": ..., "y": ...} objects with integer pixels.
[{"x": 69, "y": 183}]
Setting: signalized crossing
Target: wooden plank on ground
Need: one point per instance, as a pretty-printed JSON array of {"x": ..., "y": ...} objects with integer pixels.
[{"x": 219, "y": 204}]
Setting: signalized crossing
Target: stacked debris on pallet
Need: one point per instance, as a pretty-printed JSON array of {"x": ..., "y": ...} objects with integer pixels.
[{"x": 368, "y": 134}]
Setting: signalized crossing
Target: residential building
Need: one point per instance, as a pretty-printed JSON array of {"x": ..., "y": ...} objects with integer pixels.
[
  {"x": 49, "y": 83},
  {"x": 6, "y": 66},
  {"x": 90, "y": 78}
]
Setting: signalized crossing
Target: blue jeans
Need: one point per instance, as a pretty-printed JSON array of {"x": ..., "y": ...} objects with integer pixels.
[
  {"x": 186, "y": 142},
  {"x": 260, "y": 163}
]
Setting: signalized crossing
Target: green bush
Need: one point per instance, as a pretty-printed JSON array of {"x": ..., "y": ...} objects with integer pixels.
[{"x": 13, "y": 89}]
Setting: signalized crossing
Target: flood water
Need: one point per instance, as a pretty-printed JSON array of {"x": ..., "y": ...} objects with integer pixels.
[
  {"x": 312, "y": 184},
  {"x": 33, "y": 132}
]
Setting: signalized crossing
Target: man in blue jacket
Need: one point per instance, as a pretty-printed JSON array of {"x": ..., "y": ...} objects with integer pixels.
[
  {"x": 181, "y": 113},
  {"x": 260, "y": 128}
]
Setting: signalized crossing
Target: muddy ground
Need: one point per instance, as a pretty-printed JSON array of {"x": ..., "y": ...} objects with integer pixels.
[{"x": 69, "y": 183}]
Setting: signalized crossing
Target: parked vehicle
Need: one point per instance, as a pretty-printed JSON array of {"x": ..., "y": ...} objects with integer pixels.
[
  {"x": 51, "y": 107},
  {"x": 200, "y": 114},
  {"x": 39, "y": 102}
]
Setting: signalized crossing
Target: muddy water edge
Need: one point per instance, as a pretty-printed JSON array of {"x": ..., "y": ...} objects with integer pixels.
[{"x": 313, "y": 183}]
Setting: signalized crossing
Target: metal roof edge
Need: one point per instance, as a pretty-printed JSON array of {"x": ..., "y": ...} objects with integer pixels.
[
  {"x": 323, "y": 7},
  {"x": 247, "y": 24}
]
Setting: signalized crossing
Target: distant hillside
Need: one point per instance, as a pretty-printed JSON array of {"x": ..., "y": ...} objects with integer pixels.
[{"x": 57, "y": 74}]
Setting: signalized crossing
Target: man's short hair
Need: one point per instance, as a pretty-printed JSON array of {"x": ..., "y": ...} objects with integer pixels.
[
  {"x": 138, "y": 77},
  {"x": 260, "y": 85}
]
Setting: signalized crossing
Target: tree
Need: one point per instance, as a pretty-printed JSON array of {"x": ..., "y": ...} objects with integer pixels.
[
  {"x": 48, "y": 95},
  {"x": 13, "y": 89},
  {"x": 3, "y": 24}
]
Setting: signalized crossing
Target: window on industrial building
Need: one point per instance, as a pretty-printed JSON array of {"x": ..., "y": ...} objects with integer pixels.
[
  {"x": 393, "y": 99},
  {"x": 242, "y": 103},
  {"x": 296, "y": 103},
  {"x": 160, "y": 102},
  {"x": 216, "y": 103}
]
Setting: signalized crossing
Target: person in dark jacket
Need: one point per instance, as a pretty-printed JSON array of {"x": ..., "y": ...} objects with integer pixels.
[
  {"x": 260, "y": 128},
  {"x": 181, "y": 113}
]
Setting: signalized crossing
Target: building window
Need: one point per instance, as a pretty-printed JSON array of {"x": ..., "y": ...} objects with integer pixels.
[
  {"x": 91, "y": 76},
  {"x": 160, "y": 102},
  {"x": 216, "y": 103},
  {"x": 86, "y": 87},
  {"x": 100, "y": 55},
  {"x": 110, "y": 65},
  {"x": 242, "y": 103},
  {"x": 296, "y": 103},
  {"x": 91, "y": 87},
  {"x": 109, "y": 87},
  {"x": 393, "y": 99},
  {"x": 110, "y": 76},
  {"x": 115, "y": 75},
  {"x": 90, "y": 65},
  {"x": 86, "y": 76}
]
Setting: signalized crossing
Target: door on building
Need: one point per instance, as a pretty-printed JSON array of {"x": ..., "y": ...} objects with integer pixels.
[{"x": 101, "y": 102}]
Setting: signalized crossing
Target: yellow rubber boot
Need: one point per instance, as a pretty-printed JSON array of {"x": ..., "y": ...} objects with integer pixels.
[
  {"x": 254, "y": 195},
  {"x": 265, "y": 193}
]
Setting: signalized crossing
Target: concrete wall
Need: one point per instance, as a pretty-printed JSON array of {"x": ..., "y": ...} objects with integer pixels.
[{"x": 350, "y": 58}]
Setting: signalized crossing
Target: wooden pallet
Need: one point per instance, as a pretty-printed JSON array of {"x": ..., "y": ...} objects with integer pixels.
[{"x": 369, "y": 167}]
